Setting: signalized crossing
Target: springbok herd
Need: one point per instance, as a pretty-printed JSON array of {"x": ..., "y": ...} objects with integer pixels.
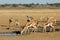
[{"x": 34, "y": 25}]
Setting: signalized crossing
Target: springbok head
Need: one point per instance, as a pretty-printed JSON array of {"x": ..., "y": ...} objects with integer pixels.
[
  {"x": 11, "y": 19},
  {"x": 29, "y": 18},
  {"x": 52, "y": 19},
  {"x": 42, "y": 18}
]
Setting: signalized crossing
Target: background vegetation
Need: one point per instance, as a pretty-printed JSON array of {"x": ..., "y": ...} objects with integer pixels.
[{"x": 32, "y": 5}]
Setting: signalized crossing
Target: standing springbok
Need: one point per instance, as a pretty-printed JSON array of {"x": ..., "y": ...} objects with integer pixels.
[
  {"x": 30, "y": 23},
  {"x": 48, "y": 23},
  {"x": 17, "y": 23},
  {"x": 11, "y": 20}
]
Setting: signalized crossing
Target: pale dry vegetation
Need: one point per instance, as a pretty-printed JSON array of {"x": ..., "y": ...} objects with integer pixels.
[{"x": 21, "y": 16}]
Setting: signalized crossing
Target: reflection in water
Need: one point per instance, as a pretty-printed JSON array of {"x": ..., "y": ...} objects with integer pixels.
[{"x": 7, "y": 34}]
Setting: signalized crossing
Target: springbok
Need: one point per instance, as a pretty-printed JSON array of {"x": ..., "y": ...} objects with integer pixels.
[
  {"x": 11, "y": 21},
  {"x": 48, "y": 23},
  {"x": 17, "y": 23},
  {"x": 30, "y": 23}
]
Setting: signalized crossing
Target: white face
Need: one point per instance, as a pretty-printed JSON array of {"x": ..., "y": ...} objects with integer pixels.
[{"x": 29, "y": 18}]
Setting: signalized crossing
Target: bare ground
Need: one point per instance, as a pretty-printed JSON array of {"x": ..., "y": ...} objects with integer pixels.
[{"x": 34, "y": 36}]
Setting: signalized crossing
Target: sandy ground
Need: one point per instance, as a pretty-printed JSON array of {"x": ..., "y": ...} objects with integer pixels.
[
  {"x": 21, "y": 16},
  {"x": 34, "y": 36}
]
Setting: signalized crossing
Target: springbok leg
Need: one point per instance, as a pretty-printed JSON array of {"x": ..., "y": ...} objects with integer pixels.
[
  {"x": 35, "y": 28},
  {"x": 24, "y": 30},
  {"x": 44, "y": 28},
  {"x": 53, "y": 28}
]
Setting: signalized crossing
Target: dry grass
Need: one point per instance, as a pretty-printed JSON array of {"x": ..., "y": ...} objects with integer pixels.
[{"x": 21, "y": 14}]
